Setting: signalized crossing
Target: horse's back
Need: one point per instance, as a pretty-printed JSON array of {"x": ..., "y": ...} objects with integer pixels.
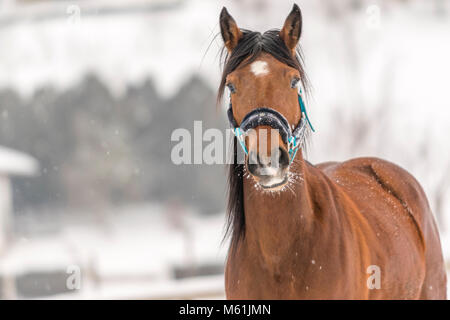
[{"x": 396, "y": 207}]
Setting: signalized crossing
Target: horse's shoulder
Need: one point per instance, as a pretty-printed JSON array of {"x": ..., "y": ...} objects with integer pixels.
[
  {"x": 388, "y": 175},
  {"x": 396, "y": 181}
]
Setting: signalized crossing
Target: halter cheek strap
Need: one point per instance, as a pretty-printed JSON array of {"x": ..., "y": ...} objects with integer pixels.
[
  {"x": 274, "y": 119},
  {"x": 303, "y": 110}
]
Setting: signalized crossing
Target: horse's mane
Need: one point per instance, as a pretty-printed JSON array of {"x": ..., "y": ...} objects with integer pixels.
[{"x": 248, "y": 49}]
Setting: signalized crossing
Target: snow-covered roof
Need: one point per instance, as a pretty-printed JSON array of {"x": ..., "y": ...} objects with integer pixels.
[{"x": 14, "y": 162}]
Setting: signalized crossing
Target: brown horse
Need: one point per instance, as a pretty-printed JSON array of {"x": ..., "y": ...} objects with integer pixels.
[{"x": 360, "y": 229}]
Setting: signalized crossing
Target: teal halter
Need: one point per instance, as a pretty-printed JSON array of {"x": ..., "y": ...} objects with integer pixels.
[
  {"x": 274, "y": 119},
  {"x": 303, "y": 109},
  {"x": 295, "y": 140}
]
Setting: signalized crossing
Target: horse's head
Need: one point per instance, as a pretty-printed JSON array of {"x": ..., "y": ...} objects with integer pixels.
[{"x": 262, "y": 73}]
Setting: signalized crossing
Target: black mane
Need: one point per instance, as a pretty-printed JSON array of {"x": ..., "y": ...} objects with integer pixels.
[{"x": 248, "y": 49}]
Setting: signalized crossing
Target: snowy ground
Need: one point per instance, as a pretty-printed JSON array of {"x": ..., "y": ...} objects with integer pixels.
[{"x": 132, "y": 254}]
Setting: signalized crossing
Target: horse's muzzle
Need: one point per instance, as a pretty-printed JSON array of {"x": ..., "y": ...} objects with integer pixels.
[{"x": 270, "y": 171}]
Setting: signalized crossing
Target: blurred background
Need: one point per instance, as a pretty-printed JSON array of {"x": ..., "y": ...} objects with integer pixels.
[{"x": 91, "y": 205}]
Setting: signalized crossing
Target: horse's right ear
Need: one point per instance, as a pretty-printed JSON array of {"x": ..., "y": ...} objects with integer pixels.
[{"x": 231, "y": 34}]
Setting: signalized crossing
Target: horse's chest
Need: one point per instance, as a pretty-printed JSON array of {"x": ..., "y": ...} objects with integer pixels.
[{"x": 246, "y": 280}]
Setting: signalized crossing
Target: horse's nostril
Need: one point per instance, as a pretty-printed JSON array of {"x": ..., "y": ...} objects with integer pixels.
[
  {"x": 252, "y": 168},
  {"x": 284, "y": 158},
  {"x": 252, "y": 163}
]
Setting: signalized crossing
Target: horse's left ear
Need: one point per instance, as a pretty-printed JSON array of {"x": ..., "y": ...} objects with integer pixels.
[
  {"x": 292, "y": 29},
  {"x": 231, "y": 33}
]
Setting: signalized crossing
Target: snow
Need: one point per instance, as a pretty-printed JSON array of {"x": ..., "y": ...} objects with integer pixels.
[
  {"x": 207, "y": 287},
  {"x": 16, "y": 163},
  {"x": 41, "y": 254},
  {"x": 55, "y": 51},
  {"x": 132, "y": 254},
  {"x": 392, "y": 79}
]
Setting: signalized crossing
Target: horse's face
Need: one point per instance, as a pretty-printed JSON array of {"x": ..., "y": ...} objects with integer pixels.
[{"x": 265, "y": 82}]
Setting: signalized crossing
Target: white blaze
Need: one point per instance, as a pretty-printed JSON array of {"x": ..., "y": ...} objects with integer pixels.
[{"x": 259, "y": 68}]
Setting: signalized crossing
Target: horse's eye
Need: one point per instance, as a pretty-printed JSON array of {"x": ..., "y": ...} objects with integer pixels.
[
  {"x": 294, "y": 82},
  {"x": 231, "y": 87}
]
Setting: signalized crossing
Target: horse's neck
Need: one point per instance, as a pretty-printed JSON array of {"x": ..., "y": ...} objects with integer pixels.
[{"x": 280, "y": 224}]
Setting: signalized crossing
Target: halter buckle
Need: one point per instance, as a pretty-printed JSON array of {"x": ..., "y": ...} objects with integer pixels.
[{"x": 293, "y": 145}]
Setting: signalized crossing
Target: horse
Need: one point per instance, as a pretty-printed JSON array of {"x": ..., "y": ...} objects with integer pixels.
[{"x": 359, "y": 229}]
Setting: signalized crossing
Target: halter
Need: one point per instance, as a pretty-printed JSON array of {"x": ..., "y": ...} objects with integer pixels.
[{"x": 275, "y": 120}]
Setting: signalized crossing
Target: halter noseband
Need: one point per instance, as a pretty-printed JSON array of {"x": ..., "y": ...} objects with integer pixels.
[{"x": 275, "y": 120}]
